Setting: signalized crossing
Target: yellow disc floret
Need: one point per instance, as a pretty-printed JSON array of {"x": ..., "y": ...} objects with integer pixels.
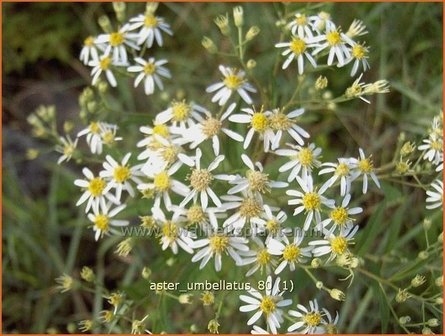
[
  {"x": 101, "y": 222},
  {"x": 311, "y": 201},
  {"x": 306, "y": 157},
  {"x": 181, "y": 111},
  {"x": 149, "y": 68},
  {"x": 263, "y": 257},
  {"x": 333, "y": 38},
  {"x": 161, "y": 130},
  {"x": 339, "y": 216},
  {"x": 162, "y": 181},
  {"x": 170, "y": 230},
  {"x": 298, "y": 46},
  {"x": 267, "y": 305},
  {"x": 105, "y": 63},
  {"x": 359, "y": 51},
  {"x": 211, "y": 127},
  {"x": 366, "y": 166},
  {"x": 116, "y": 39},
  {"x": 94, "y": 127},
  {"x": 218, "y": 244},
  {"x": 250, "y": 207},
  {"x": 233, "y": 82},
  {"x": 150, "y": 21},
  {"x": 89, "y": 41},
  {"x": 200, "y": 179},
  {"x": 342, "y": 169},
  {"x": 258, "y": 181},
  {"x": 259, "y": 122},
  {"x": 195, "y": 214},
  {"x": 121, "y": 174},
  {"x": 339, "y": 245},
  {"x": 291, "y": 253},
  {"x": 312, "y": 319},
  {"x": 96, "y": 186}
]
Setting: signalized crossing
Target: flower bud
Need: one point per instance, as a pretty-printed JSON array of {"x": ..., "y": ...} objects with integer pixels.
[
  {"x": 238, "y": 16},
  {"x": 146, "y": 273},
  {"x": 427, "y": 331},
  {"x": 208, "y": 44},
  {"x": 423, "y": 255},
  {"x": 251, "y": 64},
  {"x": 439, "y": 281},
  {"x": 252, "y": 33},
  {"x": 105, "y": 24},
  {"x": 319, "y": 284},
  {"x": 316, "y": 262},
  {"x": 337, "y": 294},
  {"x": 418, "y": 280},
  {"x": 207, "y": 298},
  {"x": 321, "y": 83},
  {"x": 222, "y": 21},
  {"x": 402, "y": 295},
  {"x": 124, "y": 247},
  {"x": 433, "y": 322},
  {"x": 87, "y": 274},
  {"x": 185, "y": 298},
  {"x": 213, "y": 326},
  {"x": 404, "y": 320}
]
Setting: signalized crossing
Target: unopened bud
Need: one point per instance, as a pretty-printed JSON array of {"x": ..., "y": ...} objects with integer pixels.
[
  {"x": 319, "y": 284},
  {"x": 146, "y": 273},
  {"x": 87, "y": 274},
  {"x": 185, "y": 298},
  {"x": 251, "y": 64},
  {"x": 433, "y": 322},
  {"x": 238, "y": 16},
  {"x": 418, "y": 280},
  {"x": 321, "y": 83},
  {"x": 105, "y": 24},
  {"x": 213, "y": 326},
  {"x": 337, "y": 294},
  {"x": 252, "y": 33},
  {"x": 439, "y": 281},
  {"x": 316, "y": 262},
  {"x": 404, "y": 320},
  {"x": 222, "y": 22},
  {"x": 208, "y": 44}
]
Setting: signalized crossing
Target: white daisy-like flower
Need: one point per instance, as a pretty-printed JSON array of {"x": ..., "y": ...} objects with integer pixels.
[
  {"x": 339, "y": 215},
  {"x": 162, "y": 184},
  {"x": 255, "y": 181},
  {"x": 89, "y": 50},
  {"x": 291, "y": 253},
  {"x": 364, "y": 166},
  {"x": 156, "y": 137},
  {"x": 171, "y": 233},
  {"x": 249, "y": 210},
  {"x": 435, "y": 195},
  {"x": 210, "y": 128},
  {"x": 66, "y": 148},
  {"x": 433, "y": 147},
  {"x": 116, "y": 43},
  {"x": 260, "y": 258},
  {"x": 281, "y": 123},
  {"x": 256, "y": 330},
  {"x": 301, "y": 25},
  {"x": 120, "y": 175},
  {"x": 335, "y": 245},
  {"x": 309, "y": 319},
  {"x": 103, "y": 219},
  {"x": 357, "y": 28},
  {"x": 298, "y": 48},
  {"x": 259, "y": 123},
  {"x": 268, "y": 305},
  {"x": 217, "y": 244},
  {"x": 97, "y": 134},
  {"x": 234, "y": 80},
  {"x": 108, "y": 134},
  {"x": 342, "y": 170},
  {"x": 151, "y": 28},
  {"x": 302, "y": 160},
  {"x": 272, "y": 224},
  {"x": 322, "y": 21},
  {"x": 359, "y": 54},
  {"x": 150, "y": 72},
  {"x": 181, "y": 114},
  {"x": 337, "y": 43},
  {"x": 329, "y": 324},
  {"x": 201, "y": 180},
  {"x": 310, "y": 201},
  {"x": 97, "y": 191},
  {"x": 195, "y": 215},
  {"x": 104, "y": 64}
]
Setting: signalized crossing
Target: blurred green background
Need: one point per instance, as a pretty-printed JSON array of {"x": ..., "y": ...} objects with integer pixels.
[{"x": 44, "y": 235}]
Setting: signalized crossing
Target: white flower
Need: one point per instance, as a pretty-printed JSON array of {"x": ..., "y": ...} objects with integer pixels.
[
  {"x": 181, "y": 114},
  {"x": 359, "y": 54},
  {"x": 259, "y": 123},
  {"x": 217, "y": 244},
  {"x": 120, "y": 175},
  {"x": 268, "y": 305},
  {"x": 108, "y": 134},
  {"x": 151, "y": 28},
  {"x": 172, "y": 234},
  {"x": 258, "y": 331},
  {"x": 67, "y": 148},
  {"x": 329, "y": 325},
  {"x": 339, "y": 215},
  {"x": 322, "y": 21},
  {"x": 89, "y": 49},
  {"x": 271, "y": 223},
  {"x": 97, "y": 191},
  {"x": 210, "y": 128},
  {"x": 116, "y": 42},
  {"x": 290, "y": 252},
  {"x": 233, "y": 81},
  {"x": 103, "y": 219},
  {"x": 281, "y": 122},
  {"x": 259, "y": 256},
  {"x": 103, "y": 65},
  {"x": 151, "y": 72},
  {"x": 433, "y": 147},
  {"x": 357, "y": 28},
  {"x": 336, "y": 42},
  {"x": 302, "y": 160},
  {"x": 255, "y": 181},
  {"x": 310, "y": 201},
  {"x": 201, "y": 180},
  {"x": 364, "y": 166},
  {"x": 342, "y": 170},
  {"x": 435, "y": 195},
  {"x": 196, "y": 215},
  {"x": 162, "y": 183},
  {"x": 301, "y": 25},
  {"x": 93, "y": 136},
  {"x": 298, "y": 49},
  {"x": 249, "y": 210},
  {"x": 309, "y": 319},
  {"x": 332, "y": 244}
]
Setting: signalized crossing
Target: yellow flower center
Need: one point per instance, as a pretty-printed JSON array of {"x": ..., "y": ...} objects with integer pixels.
[
  {"x": 291, "y": 253},
  {"x": 169, "y": 154},
  {"x": 162, "y": 181},
  {"x": 218, "y": 244},
  {"x": 200, "y": 179},
  {"x": 280, "y": 121},
  {"x": 267, "y": 305},
  {"x": 257, "y": 181},
  {"x": 365, "y": 166},
  {"x": 342, "y": 169},
  {"x": 150, "y": 21},
  {"x": 108, "y": 137},
  {"x": 263, "y": 257},
  {"x": 339, "y": 245},
  {"x": 331, "y": 328},
  {"x": 306, "y": 157},
  {"x": 436, "y": 145},
  {"x": 161, "y": 130},
  {"x": 358, "y": 51},
  {"x": 298, "y": 46},
  {"x": 312, "y": 319},
  {"x": 94, "y": 127},
  {"x": 259, "y": 122},
  {"x": 195, "y": 214},
  {"x": 250, "y": 208},
  {"x": 121, "y": 174},
  {"x": 181, "y": 111},
  {"x": 105, "y": 63},
  {"x": 233, "y": 82},
  {"x": 333, "y": 38},
  {"x": 339, "y": 215},
  {"x": 68, "y": 150},
  {"x": 301, "y": 20},
  {"x": 272, "y": 225},
  {"x": 96, "y": 186},
  {"x": 170, "y": 230},
  {"x": 116, "y": 39},
  {"x": 89, "y": 41},
  {"x": 102, "y": 222},
  {"x": 211, "y": 127},
  {"x": 311, "y": 201},
  {"x": 149, "y": 68}
]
